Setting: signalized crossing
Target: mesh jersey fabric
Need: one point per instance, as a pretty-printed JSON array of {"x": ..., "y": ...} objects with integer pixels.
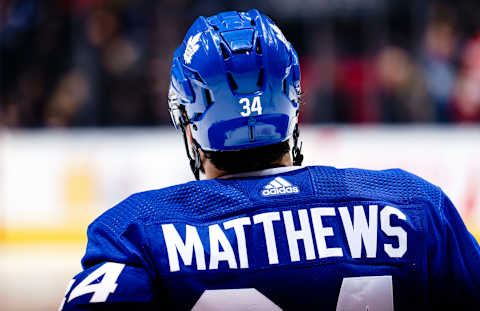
[
  {"x": 208, "y": 200},
  {"x": 438, "y": 268}
]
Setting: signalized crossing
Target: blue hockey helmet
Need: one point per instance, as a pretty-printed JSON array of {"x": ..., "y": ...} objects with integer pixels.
[{"x": 236, "y": 80}]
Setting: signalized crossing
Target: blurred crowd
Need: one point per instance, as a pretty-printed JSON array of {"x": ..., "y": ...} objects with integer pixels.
[{"x": 106, "y": 62}]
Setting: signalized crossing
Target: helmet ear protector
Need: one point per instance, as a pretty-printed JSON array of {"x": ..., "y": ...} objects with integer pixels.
[{"x": 236, "y": 81}]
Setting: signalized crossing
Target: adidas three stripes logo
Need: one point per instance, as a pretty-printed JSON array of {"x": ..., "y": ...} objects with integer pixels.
[{"x": 279, "y": 186}]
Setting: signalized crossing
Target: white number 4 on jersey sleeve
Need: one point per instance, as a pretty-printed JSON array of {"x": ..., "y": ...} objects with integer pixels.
[{"x": 101, "y": 290}]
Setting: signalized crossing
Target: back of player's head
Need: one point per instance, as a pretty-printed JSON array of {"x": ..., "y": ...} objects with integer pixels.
[{"x": 235, "y": 80}]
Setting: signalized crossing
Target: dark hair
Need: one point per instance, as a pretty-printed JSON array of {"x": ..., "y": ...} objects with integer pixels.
[{"x": 251, "y": 159}]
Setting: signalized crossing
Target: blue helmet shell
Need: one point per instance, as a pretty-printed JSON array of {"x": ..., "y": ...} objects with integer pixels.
[{"x": 236, "y": 80}]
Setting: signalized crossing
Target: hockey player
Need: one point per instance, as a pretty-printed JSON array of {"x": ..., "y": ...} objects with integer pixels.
[{"x": 262, "y": 232}]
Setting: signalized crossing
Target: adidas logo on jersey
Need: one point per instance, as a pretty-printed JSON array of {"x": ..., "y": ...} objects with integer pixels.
[{"x": 279, "y": 186}]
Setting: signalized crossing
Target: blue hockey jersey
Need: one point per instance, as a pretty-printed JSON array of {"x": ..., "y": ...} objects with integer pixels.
[{"x": 310, "y": 238}]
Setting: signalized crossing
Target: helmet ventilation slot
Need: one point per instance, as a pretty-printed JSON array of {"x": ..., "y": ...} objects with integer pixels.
[
  {"x": 284, "y": 86},
  {"x": 258, "y": 47},
  {"x": 208, "y": 97},
  {"x": 260, "y": 78},
  {"x": 198, "y": 77},
  {"x": 224, "y": 51},
  {"x": 232, "y": 82}
]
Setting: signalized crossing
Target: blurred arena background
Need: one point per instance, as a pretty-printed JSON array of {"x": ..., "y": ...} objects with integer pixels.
[{"x": 84, "y": 120}]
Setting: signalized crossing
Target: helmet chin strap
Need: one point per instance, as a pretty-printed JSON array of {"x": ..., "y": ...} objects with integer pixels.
[
  {"x": 297, "y": 156},
  {"x": 195, "y": 162}
]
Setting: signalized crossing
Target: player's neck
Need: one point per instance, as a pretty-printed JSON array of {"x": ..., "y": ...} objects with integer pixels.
[{"x": 211, "y": 172}]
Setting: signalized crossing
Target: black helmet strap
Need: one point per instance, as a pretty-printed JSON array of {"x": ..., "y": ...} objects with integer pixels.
[
  {"x": 195, "y": 162},
  {"x": 297, "y": 155}
]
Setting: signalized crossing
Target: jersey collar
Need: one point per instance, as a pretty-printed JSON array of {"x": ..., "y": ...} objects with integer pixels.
[{"x": 266, "y": 172}]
